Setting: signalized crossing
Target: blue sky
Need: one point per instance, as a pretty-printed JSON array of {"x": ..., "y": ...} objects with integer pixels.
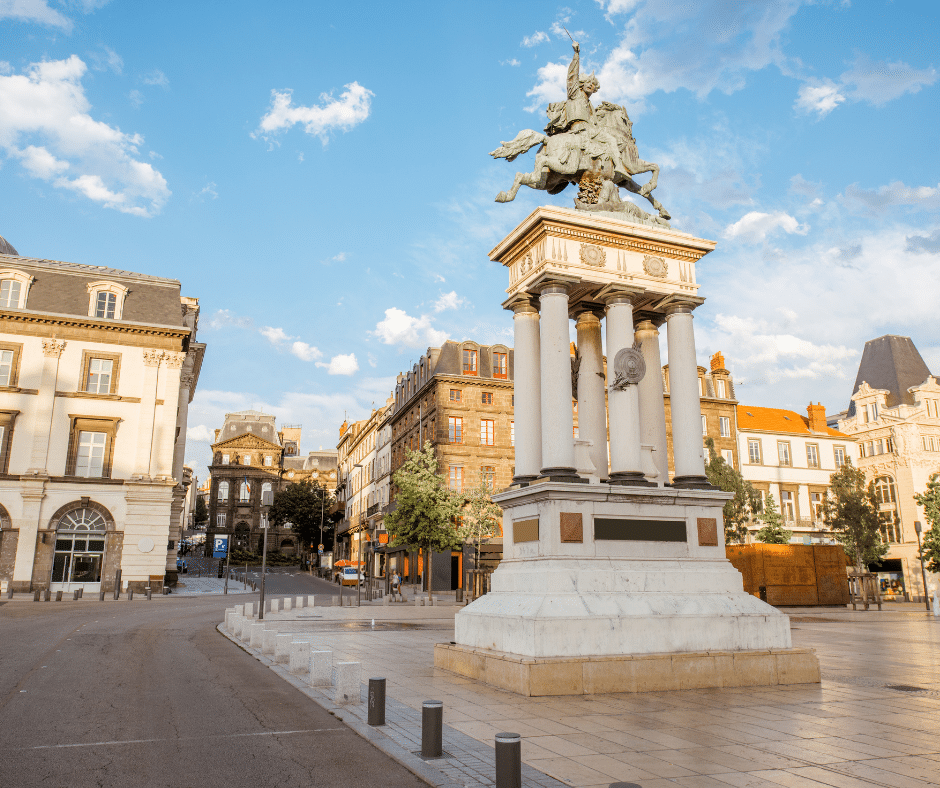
[{"x": 317, "y": 174}]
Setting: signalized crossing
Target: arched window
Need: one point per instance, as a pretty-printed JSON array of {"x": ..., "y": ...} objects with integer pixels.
[
  {"x": 885, "y": 491},
  {"x": 106, "y": 300},
  {"x": 223, "y": 491},
  {"x": 79, "y": 547},
  {"x": 245, "y": 492},
  {"x": 14, "y": 288}
]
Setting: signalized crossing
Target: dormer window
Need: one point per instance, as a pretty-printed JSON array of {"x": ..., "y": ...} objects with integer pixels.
[
  {"x": 106, "y": 300},
  {"x": 14, "y": 287}
]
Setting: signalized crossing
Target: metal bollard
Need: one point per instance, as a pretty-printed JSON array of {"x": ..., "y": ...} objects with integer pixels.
[
  {"x": 10, "y": 591},
  {"x": 432, "y": 729},
  {"x": 508, "y": 760},
  {"x": 58, "y": 596},
  {"x": 75, "y": 595},
  {"x": 130, "y": 594},
  {"x": 117, "y": 584},
  {"x": 376, "y": 701},
  {"x": 46, "y": 595},
  {"x": 149, "y": 591},
  {"x": 101, "y": 596},
  {"x": 166, "y": 590},
  {"x": 81, "y": 591},
  {"x": 36, "y": 594}
]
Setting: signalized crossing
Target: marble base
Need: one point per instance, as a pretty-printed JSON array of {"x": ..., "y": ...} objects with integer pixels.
[{"x": 536, "y": 677}]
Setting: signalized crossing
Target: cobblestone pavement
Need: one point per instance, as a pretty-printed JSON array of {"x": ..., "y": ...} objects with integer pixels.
[{"x": 874, "y": 719}]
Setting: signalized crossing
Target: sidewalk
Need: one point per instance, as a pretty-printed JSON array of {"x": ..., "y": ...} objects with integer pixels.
[
  {"x": 194, "y": 586},
  {"x": 874, "y": 720}
]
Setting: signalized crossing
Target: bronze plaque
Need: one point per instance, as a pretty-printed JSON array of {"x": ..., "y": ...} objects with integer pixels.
[
  {"x": 707, "y": 532},
  {"x": 525, "y": 531},
  {"x": 572, "y": 529}
]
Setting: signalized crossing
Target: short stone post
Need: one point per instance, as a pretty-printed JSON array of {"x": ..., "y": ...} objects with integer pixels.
[
  {"x": 47, "y": 595},
  {"x": 149, "y": 593},
  {"x": 257, "y": 633},
  {"x": 268, "y": 641},
  {"x": 101, "y": 596},
  {"x": 432, "y": 729},
  {"x": 130, "y": 594},
  {"x": 10, "y": 590},
  {"x": 300, "y": 603},
  {"x": 75, "y": 595},
  {"x": 376, "y": 701},
  {"x": 508, "y": 760},
  {"x": 36, "y": 594},
  {"x": 346, "y": 682},
  {"x": 299, "y": 656},
  {"x": 282, "y": 647},
  {"x": 58, "y": 596},
  {"x": 320, "y": 667},
  {"x": 286, "y": 603}
]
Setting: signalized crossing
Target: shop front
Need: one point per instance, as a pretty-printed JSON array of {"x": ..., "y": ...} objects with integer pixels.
[
  {"x": 890, "y": 574},
  {"x": 80, "y": 542}
]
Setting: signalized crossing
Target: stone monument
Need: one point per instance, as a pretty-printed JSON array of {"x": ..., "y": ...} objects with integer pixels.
[{"x": 613, "y": 578}]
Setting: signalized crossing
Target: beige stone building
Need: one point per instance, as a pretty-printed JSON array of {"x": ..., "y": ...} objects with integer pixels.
[
  {"x": 895, "y": 417},
  {"x": 97, "y": 370}
]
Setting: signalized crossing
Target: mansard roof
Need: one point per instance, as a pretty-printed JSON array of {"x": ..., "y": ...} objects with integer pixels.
[
  {"x": 779, "y": 420},
  {"x": 891, "y": 363},
  {"x": 7, "y": 248}
]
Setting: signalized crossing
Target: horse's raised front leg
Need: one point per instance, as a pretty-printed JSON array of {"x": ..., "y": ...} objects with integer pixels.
[
  {"x": 649, "y": 167},
  {"x": 534, "y": 180}
]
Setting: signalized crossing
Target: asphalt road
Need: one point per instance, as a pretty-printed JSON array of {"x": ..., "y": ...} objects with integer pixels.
[{"x": 150, "y": 694}]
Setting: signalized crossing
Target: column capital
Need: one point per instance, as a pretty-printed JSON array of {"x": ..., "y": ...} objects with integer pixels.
[
  {"x": 681, "y": 306},
  {"x": 649, "y": 321},
  {"x": 553, "y": 288},
  {"x": 52, "y": 348},
  {"x": 588, "y": 317}
]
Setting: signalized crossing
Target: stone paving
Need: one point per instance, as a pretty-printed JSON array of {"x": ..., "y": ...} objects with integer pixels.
[{"x": 874, "y": 720}]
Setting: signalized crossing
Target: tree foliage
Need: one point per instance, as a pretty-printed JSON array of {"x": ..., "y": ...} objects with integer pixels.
[
  {"x": 746, "y": 501},
  {"x": 201, "y": 515},
  {"x": 851, "y": 513},
  {"x": 930, "y": 501},
  {"x": 304, "y": 505},
  {"x": 480, "y": 517},
  {"x": 773, "y": 531},
  {"x": 425, "y": 510}
]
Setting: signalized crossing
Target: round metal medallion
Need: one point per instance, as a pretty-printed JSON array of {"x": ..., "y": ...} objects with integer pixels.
[{"x": 629, "y": 366}]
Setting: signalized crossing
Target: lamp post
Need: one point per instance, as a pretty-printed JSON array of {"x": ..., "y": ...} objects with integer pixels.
[
  {"x": 923, "y": 574},
  {"x": 267, "y": 498}
]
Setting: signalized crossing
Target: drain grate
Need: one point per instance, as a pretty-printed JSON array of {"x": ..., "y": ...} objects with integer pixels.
[{"x": 905, "y": 688}]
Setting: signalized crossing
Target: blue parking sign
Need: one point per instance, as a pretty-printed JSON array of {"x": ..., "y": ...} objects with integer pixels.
[{"x": 220, "y": 546}]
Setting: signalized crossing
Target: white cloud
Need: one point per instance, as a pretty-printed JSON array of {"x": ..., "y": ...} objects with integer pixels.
[
  {"x": 47, "y": 103},
  {"x": 341, "y": 365},
  {"x": 276, "y": 336},
  {"x": 550, "y": 86},
  {"x": 448, "y": 301},
  {"x": 107, "y": 59},
  {"x": 346, "y": 112},
  {"x": 156, "y": 77},
  {"x": 40, "y": 163},
  {"x": 136, "y": 97},
  {"x": 821, "y": 97},
  {"x": 209, "y": 190},
  {"x": 305, "y": 352},
  {"x": 224, "y": 318},
  {"x": 200, "y": 432},
  {"x": 539, "y": 37},
  {"x": 339, "y": 257},
  {"x": 510, "y": 62},
  {"x": 400, "y": 328},
  {"x": 756, "y": 226},
  {"x": 896, "y": 193},
  {"x": 33, "y": 11}
]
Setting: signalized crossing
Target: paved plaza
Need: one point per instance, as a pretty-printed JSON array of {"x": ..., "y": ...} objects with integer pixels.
[{"x": 874, "y": 720}]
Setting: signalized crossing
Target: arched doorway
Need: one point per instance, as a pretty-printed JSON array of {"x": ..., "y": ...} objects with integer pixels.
[
  {"x": 241, "y": 536},
  {"x": 79, "y": 549}
]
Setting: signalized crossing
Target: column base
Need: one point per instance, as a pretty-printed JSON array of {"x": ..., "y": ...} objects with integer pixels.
[
  {"x": 569, "y": 475},
  {"x": 692, "y": 483},
  {"x": 633, "y": 478},
  {"x": 524, "y": 480}
]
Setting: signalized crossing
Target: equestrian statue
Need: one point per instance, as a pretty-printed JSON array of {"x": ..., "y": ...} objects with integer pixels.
[{"x": 592, "y": 148}]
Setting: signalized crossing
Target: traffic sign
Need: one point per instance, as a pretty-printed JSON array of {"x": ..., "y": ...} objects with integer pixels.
[{"x": 320, "y": 548}]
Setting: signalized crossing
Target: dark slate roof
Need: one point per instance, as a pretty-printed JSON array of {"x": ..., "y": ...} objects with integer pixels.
[
  {"x": 891, "y": 363},
  {"x": 60, "y": 288},
  {"x": 7, "y": 248}
]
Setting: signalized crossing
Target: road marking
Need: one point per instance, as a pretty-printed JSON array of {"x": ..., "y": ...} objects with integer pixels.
[{"x": 186, "y": 738}]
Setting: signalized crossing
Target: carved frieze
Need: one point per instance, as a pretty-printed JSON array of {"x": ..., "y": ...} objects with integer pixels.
[
  {"x": 592, "y": 254},
  {"x": 52, "y": 348},
  {"x": 655, "y": 266}
]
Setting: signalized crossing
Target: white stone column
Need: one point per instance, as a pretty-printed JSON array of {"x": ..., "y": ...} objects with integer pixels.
[
  {"x": 555, "y": 357},
  {"x": 623, "y": 405},
  {"x": 527, "y": 390},
  {"x": 685, "y": 407},
  {"x": 592, "y": 405},
  {"x": 42, "y": 424},
  {"x": 652, "y": 407},
  {"x": 165, "y": 443},
  {"x": 148, "y": 408},
  {"x": 182, "y": 419}
]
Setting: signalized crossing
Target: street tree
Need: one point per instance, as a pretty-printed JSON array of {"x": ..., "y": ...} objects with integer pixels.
[
  {"x": 201, "y": 515},
  {"x": 480, "y": 518},
  {"x": 851, "y": 512},
  {"x": 305, "y": 505},
  {"x": 743, "y": 506},
  {"x": 425, "y": 510},
  {"x": 930, "y": 501},
  {"x": 773, "y": 531}
]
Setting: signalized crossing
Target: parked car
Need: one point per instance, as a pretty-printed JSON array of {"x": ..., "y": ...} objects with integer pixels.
[
  {"x": 181, "y": 565},
  {"x": 349, "y": 576}
]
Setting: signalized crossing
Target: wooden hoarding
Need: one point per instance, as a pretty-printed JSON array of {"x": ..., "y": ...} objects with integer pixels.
[{"x": 792, "y": 575}]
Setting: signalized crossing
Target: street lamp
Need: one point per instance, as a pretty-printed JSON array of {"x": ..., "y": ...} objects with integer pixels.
[
  {"x": 923, "y": 574},
  {"x": 267, "y": 499}
]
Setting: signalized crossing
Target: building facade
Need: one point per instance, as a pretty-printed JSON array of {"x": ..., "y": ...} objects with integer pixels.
[
  {"x": 792, "y": 458},
  {"x": 97, "y": 370},
  {"x": 251, "y": 460},
  {"x": 894, "y": 415}
]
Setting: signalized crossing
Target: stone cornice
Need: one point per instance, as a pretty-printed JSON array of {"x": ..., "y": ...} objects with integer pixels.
[
  {"x": 47, "y": 324},
  {"x": 246, "y": 441}
]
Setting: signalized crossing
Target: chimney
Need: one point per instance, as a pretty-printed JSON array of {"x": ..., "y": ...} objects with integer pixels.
[
  {"x": 817, "y": 417},
  {"x": 718, "y": 361}
]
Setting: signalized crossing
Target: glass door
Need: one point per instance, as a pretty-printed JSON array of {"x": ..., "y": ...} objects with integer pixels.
[{"x": 77, "y": 562}]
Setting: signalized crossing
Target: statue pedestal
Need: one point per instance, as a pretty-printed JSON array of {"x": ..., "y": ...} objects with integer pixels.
[{"x": 619, "y": 589}]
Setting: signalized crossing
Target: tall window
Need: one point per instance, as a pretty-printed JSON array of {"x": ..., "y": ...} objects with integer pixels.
[
  {"x": 724, "y": 426},
  {"x": 783, "y": 452},
  {"x": 220, "y": 520},
  {"x": 704, "y": 425},
  {"x": 812, "y": 455},
  {"x": 455, "y": 395},
  {"x": 487, "y": 474},
  {"x": 469, "y": 362},
  {"x": 786, "y": 505},
  {"x": 246, "y": 459},
  {"x": 500, "y": 366},
  {"x": 223, "y": 491},
  {"x": 486, "y": 432},
  {"x": 268, "y": 460},
  {"x": 244, "y": 494},
  {"x": 838, "y": 454},
  {"x": 266, "y": 493},
  {"x": 225, "y": 459},
  {"x": 105, "y": 305},
  {"x": 6, "y": 366},
  {"x": 90, "y": 459},
  {"x": 753, "y": 451},
  {"x": 455, "y": 478},
  {"x": 729, "y": 457},
  {"x": 884, "y": 490},
  {"x": 816, "y": 506},
  {"x": 487, "y": 398},
  {"x": 512, "y": 433},
  {"x": 455, "y": 429},
  {"x": 10, "y": 291},
  {"x": 871, "y": 412},
  {"x": 99, "y": 376},
  {"x": 720, "y": 389}
]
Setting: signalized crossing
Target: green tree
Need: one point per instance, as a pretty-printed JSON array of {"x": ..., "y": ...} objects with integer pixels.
[
  {"x": 201, "y": 515},
  {"x": 930, "y": 500},
  {"x": 425, "y": 510},
  {"x": 480, "y": 518},
  {"x": 851, "y": 513},
  {"x": 773, "y": 531},
  {"x": 305, "y": 506},
  {"x": 746, "y": 501}
]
